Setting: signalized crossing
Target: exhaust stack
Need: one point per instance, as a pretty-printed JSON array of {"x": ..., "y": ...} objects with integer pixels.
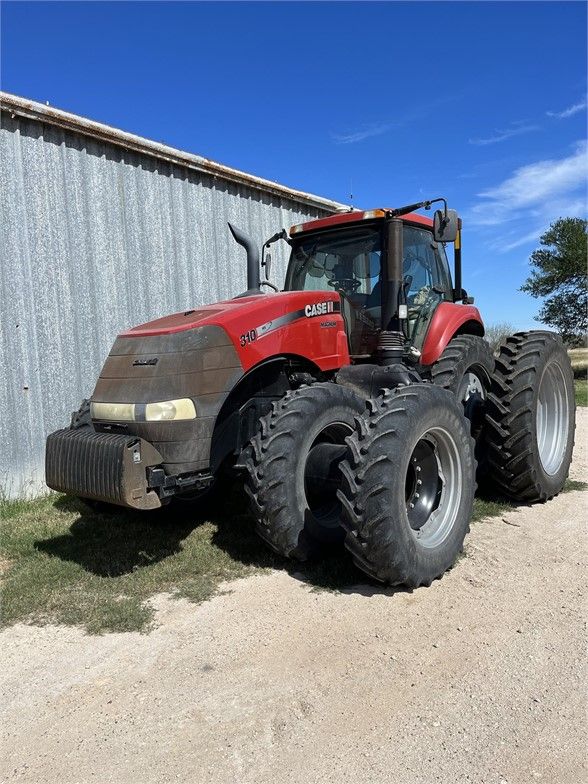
[
  {"x": 391, "y": 338},
  {"x": 253, "y": 279}
]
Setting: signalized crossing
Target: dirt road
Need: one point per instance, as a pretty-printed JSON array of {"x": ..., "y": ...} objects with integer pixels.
[{"x": 480, "y": 678}]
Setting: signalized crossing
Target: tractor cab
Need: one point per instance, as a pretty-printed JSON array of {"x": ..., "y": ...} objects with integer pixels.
[{"x": 348, "y": 256}]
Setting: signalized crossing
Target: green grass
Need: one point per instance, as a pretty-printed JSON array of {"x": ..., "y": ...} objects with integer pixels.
[
  {"x": 494, "y": 506},
  {"x": 581, "y": 389},
  {"x": 72, "y": 565},
  {"x": 579, "y": 360},
  {"x": 63, "y": 563}
]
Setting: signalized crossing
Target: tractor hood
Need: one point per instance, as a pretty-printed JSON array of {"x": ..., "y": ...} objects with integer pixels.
[
  {"x": 202, "y": 316},
  {"x": 303, "y": 323}
]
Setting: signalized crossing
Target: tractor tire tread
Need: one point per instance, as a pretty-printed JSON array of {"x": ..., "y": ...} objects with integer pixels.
[
  {"x": 461, "y": 352},
  {"x": 380, "y": 433},
  {"x": 267, "y": 484}
]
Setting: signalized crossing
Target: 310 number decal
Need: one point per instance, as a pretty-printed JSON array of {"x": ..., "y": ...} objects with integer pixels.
[{"x": 248, "y": 337}]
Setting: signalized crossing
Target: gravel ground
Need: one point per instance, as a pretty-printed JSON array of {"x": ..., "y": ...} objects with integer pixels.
[{"x": 480, "y": 678}]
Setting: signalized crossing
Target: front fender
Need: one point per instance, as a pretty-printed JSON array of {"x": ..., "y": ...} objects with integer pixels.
[{"x": 449, "y": 319}]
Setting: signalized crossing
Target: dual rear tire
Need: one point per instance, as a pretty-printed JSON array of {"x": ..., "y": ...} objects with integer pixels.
[
  {"x": 530, "y": 417},
  {"x": 521, "y": 407}
]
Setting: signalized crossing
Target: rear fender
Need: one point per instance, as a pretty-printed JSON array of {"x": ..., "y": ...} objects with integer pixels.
[{"x": 450, "y": 319}]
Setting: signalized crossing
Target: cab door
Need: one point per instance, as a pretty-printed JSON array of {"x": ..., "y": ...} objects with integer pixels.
[{"x": 426, "y": 279}]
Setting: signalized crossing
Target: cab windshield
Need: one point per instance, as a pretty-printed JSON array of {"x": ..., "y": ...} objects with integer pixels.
[{"x": 349, "y": 261}]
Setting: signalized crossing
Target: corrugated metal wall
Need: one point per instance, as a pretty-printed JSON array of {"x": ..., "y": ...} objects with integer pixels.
[{"x": 96, "y": 238}]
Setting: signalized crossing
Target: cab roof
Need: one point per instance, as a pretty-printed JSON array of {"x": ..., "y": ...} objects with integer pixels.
[{"x": 356, "y": 216}]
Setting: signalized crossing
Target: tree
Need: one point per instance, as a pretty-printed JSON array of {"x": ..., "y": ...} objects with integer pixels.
[
  {"x": 560, "y": 276},
  {"x": 496, "y": 333}
]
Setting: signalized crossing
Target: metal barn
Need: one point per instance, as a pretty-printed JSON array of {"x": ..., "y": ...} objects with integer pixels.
[{"x": 101, "y": 230}]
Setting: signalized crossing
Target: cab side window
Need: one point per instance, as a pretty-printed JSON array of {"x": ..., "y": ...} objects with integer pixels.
[
  {"x": 444, "y": 273},
  {"x": 425, "y": 264}
]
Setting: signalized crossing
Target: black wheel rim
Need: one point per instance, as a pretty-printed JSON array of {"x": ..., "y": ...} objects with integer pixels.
[
  {"x": 322, "y": 477},
  {"x": 472, "y": 393},
  {"x": 423, "y": 484}
]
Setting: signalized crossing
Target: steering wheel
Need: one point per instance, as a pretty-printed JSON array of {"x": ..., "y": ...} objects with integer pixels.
[
  {"x": 269, "y": 284},
  {"x": 346, "y": 285}
]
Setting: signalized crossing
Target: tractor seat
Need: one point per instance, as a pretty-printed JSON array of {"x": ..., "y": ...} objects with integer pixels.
[
  {"x": 373, "y": 299},
  {"x": 373, "y": 306}
]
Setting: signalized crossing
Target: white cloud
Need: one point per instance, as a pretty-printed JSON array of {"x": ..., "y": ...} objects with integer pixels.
[
  {"x": 516, "y": 129},
  {"x": 375, "y": 129},
  {"x": 556, "y": 209},
  {"x": 533, "y": 186},
  {"x": 570, "y": 111},
  {"x": 534, "y": 196},
  {"x": 412, "y": 114},
  {"x": 537, "y": 181},
  {"x": 517, "y": 241}
]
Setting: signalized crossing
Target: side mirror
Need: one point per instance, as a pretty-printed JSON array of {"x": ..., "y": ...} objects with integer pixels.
[
  {"x": 267, "y": 266},
  {"x": 445, "y": 225},
  {"x": 267, "y": 263}
]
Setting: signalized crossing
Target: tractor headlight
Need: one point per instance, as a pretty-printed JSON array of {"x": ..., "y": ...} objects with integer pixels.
[
  {"x": 116, "y": 412},
  {"x": 166, "y": 411},
  {"x": 170, "y": 410}
]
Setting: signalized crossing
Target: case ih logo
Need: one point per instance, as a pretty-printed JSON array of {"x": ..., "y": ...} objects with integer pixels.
[
  {"x": 320, "y": 309},
  {"x": 151, "y": 361}
]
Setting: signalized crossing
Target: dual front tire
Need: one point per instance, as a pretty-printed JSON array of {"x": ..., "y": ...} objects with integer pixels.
[
  {"x": 394, "y": 481},
  {"x": 408, "y": 487},
  {"x": 292, "y": 468}
]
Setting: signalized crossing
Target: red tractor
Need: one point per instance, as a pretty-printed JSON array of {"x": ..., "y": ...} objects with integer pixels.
[{"x": 358, "y": 403}]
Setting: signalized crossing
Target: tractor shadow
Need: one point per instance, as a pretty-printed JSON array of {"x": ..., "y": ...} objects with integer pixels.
[
  {"x": 112, "y": 543},
  {"x": 115, "y": 542}
]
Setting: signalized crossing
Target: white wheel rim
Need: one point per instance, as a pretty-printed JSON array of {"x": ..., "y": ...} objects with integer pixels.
[{"x": 552, "y": 418}]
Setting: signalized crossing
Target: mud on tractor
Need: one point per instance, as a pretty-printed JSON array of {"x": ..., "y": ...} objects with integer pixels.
[{"x": 358, "y": 404}]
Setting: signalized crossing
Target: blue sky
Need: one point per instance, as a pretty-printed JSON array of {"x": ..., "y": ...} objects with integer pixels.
[{"x": 484, "y": 103}]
